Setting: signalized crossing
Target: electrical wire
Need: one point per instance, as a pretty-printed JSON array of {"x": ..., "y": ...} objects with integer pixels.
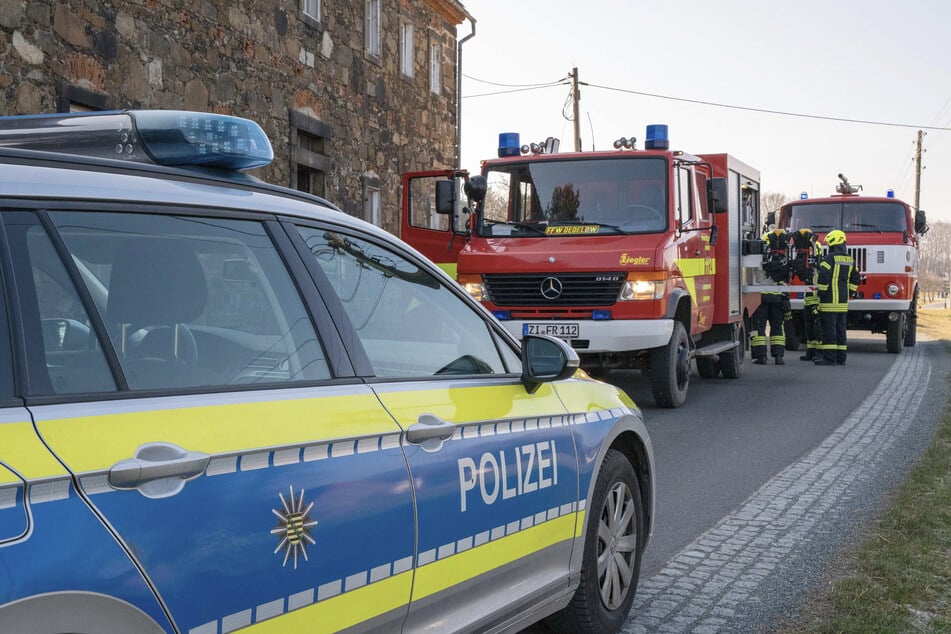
[
  {"x": 765, "y": 110},
  {"x": 495, "y": 83},
  {"x": 507, "y": 92}
]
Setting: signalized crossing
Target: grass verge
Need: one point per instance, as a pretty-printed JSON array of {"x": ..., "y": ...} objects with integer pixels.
[{"x": 899, "y": 580}]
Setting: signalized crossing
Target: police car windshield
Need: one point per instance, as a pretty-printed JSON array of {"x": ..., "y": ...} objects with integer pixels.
[
  {"x": 856, "y": 216},
  {"x": 575, "y": 197}
]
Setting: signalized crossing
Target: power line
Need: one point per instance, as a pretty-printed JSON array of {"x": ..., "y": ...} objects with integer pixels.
[
  {"x": 507, "y": 92},
  {"x": 495, "y": 83},
  {"x": 766, "y": 110}
]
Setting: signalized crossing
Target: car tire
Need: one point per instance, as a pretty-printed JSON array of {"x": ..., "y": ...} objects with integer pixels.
[
  {"x": 670, "y": 369},
  {"x": 609, "y": 569},
  {"x": 731, "y": 361},
  {"x": 894, "y": 333},
  {"x": 911, "y": 335},
  {"x": 708, "y": 367}
]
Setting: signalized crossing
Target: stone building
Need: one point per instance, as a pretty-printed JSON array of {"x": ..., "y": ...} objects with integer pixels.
[{"x": 352, "y": 93}]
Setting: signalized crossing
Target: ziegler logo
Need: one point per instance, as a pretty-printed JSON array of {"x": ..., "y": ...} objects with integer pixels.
[{"x": 626, "y": 259}]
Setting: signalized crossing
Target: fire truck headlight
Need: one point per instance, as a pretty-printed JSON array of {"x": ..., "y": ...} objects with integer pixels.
[
  {"x": 641, "y": 289},
  {"x": 892, "y": 289},
  {"x": 474, "y": 286}
]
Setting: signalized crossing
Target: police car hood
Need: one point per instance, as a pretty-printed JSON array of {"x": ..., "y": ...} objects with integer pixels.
[{"x": 557, "y": 253}]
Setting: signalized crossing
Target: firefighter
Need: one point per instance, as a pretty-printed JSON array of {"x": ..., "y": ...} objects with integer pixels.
[
  {"x": 807, "y": 254},
  {"x": 836, "y": 278},
  {"x": 774, "y": 305}
]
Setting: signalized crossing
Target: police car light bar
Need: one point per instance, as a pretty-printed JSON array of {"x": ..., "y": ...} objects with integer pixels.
[{"x": 163, "y": 137}]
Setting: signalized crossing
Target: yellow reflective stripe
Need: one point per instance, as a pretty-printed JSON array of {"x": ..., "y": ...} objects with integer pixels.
[
  {"x": 449, "y": 267},
  {"x": 8, "y": 477},
  {"x": 468, "y": 404},
  {"x": 692, "y": 267},
  {"x": 22, "y": 450},
  {"x": 445, "y": 573},
  {"x": 343, "y": 611},
  {"x": 214, "y": 429},
  {"x": 579, "y": 525},
  {"x": 592, "y": 396}
]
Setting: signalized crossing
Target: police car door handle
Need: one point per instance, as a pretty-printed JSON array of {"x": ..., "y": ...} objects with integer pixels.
[
  {"x": 157, "y": 461},
  {"x": 430, "y": 432}
]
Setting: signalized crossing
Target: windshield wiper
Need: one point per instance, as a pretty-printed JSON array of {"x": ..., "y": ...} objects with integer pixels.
[{"x": 515, "y": 223}]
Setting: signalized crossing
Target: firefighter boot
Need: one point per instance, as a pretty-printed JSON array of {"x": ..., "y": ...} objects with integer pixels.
[
  {"x": 779, "y": 360},
  {"x": 759, "y": 361},
  {"x": 809, "y": 356}
]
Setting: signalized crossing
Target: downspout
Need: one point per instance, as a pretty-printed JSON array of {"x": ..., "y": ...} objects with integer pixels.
[{"x": 459, "y": 89}]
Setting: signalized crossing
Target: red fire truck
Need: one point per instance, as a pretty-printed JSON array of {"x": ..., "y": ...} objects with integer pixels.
[
  {"x": 883, "y": 235},
  {"x": 634, "y": 256}
]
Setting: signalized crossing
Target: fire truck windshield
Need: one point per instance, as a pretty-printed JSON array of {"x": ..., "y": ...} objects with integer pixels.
[
  {"x": 556, "y": 198},
  {"x": 855, "y": 216}
]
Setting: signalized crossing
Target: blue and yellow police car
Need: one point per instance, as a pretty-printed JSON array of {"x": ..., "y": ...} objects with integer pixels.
[{"x": 226, "y": 405}]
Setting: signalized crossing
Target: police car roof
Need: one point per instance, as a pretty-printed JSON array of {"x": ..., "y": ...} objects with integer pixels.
[{"x": 39, "y": 175}]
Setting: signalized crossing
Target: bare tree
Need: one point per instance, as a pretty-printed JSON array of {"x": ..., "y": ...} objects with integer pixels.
[
  {"x": 772, "y": 201},
  {"x": 934, "y": 264}
]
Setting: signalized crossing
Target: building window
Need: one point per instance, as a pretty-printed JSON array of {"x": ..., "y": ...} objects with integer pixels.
[
  {"x": 71, "y": 98},
  {"x": 372, "y": 27},
  {"x": 435, "y": 68},
  {"x": 406, "y": 49},
  {"x": 310, "y": 10},
  {"x": 309, "y": 161},
  {"x": 371, "y": 202}
]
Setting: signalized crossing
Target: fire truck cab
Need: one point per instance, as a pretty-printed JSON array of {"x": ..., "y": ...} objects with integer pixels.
[
  {"x": 633, "y": 256},
  {"x": 883, "y": 235}
]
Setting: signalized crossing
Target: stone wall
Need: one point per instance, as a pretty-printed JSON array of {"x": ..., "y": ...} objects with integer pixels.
[{"x": 253, "y": 58}]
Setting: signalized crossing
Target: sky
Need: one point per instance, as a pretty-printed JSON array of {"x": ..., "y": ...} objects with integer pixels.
[{"x": 868, "y": 60}]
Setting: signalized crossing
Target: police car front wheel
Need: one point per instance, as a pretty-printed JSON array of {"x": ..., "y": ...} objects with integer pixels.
[{"x": 613, "y": 543}]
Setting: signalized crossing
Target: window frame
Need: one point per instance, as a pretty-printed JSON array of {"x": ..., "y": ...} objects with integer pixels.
[
  {"x": 435, "y": 68},
  {"x": 407, "y": 50},
  {"x": 8, "y": 391},
  {"x": 372, "y": 29},
  {"x": 361, "y": 361},
  {"x": 311, "y": 18},
  {"x": 336, "y": 354}
]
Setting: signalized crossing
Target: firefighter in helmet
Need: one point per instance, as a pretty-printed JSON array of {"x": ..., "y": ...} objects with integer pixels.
[
  {"x": 773, "y": 304},
  {"x": 836, "y": 279},
  {"x": 807, "y": 255}
]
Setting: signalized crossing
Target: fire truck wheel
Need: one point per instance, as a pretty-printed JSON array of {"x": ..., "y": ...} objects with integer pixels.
[
  {"x": 731, "y": 361},
  {"x": 894, "y": 334},
  {"x": 708, "y": 367},
  {"x": 613, "y": 542},
  {"x": 911, "y": 335},
  {"x": 670, "y": 369}
]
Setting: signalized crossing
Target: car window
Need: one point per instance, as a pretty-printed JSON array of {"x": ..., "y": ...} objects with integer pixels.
[
  {"x": 409, "y": 323},
  {"x": 6, "y": 354},
  {"x": 192, "y": 302},
  {"x": 73, "y": 357}
]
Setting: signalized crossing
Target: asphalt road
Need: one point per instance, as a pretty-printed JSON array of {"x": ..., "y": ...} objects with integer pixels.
[{"x": 762, "y": 481}]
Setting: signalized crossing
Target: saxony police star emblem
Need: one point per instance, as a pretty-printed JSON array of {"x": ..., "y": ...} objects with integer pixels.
[{"x": 293, "y": 527}]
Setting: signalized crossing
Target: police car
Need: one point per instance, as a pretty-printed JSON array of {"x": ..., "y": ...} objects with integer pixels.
[{"x": 226, "y": 404}]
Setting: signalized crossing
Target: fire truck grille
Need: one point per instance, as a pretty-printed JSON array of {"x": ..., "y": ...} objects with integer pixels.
[
  {"x": 860, "y": 258},
  {"x": 554, "y": 289}
]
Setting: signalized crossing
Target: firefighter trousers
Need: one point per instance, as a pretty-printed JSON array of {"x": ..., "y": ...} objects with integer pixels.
[
  {"x": 833, "y": 337},
  {"x": 771, "y": 313}
]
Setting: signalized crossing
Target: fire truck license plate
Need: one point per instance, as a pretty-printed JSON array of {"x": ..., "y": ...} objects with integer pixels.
[{"x": 563, "y": 331}]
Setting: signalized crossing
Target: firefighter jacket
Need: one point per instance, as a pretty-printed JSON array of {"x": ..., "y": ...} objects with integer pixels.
[{"x": 837, "y": 277}]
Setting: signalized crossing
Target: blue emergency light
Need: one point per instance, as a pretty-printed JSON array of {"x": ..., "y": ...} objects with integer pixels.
[
  {"x": 163, "y": 137},
  {"x": 509, "y": 145},
  {"x": 502, "y": 315},
  {"x": 600, "y": 315},
  {"x": 890, "y": 193},
  {"x": 656, "y": 138},
  {"x": 803, "y": 196}
]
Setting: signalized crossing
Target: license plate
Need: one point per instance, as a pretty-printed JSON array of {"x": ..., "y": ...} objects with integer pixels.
[{"x": 562, "y": 331}]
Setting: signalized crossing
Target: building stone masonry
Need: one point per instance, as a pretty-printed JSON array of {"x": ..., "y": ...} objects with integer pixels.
[{"x": 256, "y": 59}]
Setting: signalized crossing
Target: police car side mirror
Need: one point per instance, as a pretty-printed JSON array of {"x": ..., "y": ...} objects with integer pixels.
[{"x": 546, "y": 359}]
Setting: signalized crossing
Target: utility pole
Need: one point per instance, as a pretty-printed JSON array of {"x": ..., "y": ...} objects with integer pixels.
[
  {"x": 918, "y": 170},
  {"x": 576, "y": 99}
]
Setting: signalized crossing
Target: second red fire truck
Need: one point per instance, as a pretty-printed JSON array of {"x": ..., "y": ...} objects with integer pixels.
[
  {"x": 883, "y": 234},
  {"x": 634, "y": 256}
]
